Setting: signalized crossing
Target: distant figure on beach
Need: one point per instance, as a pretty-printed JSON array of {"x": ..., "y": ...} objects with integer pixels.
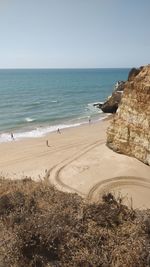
[
  {"x": 12, "y": 136},
  {"x": 47, "y": 143},
  {"x": 58, "y": 131},
  {"x": 89, "y": 120}
]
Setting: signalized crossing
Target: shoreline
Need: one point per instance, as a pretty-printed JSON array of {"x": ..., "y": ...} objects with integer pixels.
[
  {"x": 43, "y": 131},
  {"x": 78, "y": 160}
]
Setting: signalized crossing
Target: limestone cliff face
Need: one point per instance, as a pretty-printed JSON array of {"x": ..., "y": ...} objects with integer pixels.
[{"x": 129, "y": 132}]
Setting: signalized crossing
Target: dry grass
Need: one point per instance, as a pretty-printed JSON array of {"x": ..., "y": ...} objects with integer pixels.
[{"x": 43, "y": 227}]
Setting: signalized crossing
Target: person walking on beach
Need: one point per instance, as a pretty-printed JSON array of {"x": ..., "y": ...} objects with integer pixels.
[
  {"x": 89, "y": 120},
  {"x": 12, "y": 136},
  {"x": 58, "y": 131},
  {"x": 47, "y": 143}
]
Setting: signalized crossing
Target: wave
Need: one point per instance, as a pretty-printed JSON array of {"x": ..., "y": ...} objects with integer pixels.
[
  {"x": 35, "y": 103},
  {"x": 38, "y": 132},
  {"x": 29, "y": 119},
  {"x": 54, "y": 101},
  {"x": 31, "y": 104},
  {"x": 91, "y": 109},
  {"x": 42, "y": 131}
]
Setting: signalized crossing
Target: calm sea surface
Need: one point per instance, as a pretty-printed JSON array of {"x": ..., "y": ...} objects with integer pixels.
[{"x": 34, "y": 102}]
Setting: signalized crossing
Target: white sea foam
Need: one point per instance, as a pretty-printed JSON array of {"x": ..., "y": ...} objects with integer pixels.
[
  {"x": 29, "y": 119},
  {"x": 42, "y": 131},
  {"x": 38, "y": 132},
  {"x": 92, "y": 109},
  {"x": 54, "y": 101},
  {"x": 5, "y": 137}
]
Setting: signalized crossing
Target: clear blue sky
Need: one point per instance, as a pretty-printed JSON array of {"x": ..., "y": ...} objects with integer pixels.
[{"x": 74, "y": 33}]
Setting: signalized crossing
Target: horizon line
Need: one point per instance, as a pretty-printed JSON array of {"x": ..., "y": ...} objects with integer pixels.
[{"x": 40, "y": 68}]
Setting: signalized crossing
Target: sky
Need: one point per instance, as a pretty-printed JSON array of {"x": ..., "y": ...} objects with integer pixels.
[{"x": 74, "y": 33}]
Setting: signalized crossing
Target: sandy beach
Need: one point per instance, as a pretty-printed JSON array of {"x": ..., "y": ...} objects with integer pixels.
[{"x": 78, "y": 160}]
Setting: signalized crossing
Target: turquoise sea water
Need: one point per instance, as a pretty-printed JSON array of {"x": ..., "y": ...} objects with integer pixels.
[{"x": 34, "y": 102}]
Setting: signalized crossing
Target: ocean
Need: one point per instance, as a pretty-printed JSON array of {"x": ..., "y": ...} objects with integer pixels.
[{"x": 34, "y": 102}]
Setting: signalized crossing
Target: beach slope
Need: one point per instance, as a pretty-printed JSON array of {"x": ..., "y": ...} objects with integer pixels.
[{"x": 78, "y": 160}]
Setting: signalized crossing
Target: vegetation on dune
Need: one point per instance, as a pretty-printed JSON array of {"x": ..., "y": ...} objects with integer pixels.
[{"x": 43, "y": 227}]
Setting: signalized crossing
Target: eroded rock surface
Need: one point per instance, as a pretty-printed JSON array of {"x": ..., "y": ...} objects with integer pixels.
[
  {"x": 111, "y": 104},
  {"x": 129, "y": 132}
]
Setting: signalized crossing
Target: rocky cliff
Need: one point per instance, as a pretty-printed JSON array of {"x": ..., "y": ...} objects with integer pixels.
[
  {"x": 111, "y": 104},
  {"x": 129, "y": 132}
]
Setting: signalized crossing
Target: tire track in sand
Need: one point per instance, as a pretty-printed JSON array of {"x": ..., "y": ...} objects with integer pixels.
[
  {"x": 49, "y": 172},
  {"x": 54, "y": 172},
  {"x": 31, "y": 155},
  {"x": 107, "y": 185}
]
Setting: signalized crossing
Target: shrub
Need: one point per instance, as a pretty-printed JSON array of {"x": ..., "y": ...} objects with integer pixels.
[{"x": 43, "y": 227}]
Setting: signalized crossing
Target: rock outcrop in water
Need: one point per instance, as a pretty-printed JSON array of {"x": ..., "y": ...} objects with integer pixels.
[
  {"x": 111, "y": 104},
  {"x": 129, "y": 132}
]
